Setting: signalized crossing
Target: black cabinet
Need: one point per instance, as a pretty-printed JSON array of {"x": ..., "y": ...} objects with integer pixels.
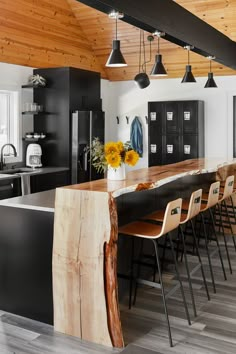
[
  {"x": 44, "y": 182},
  {"x": 176, "y": 131},
  {"x": 67, "y": 90},
  {"x": 9, "y": 188}
]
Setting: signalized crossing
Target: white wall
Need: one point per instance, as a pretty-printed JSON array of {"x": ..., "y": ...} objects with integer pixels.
[{"x": 126, "y": 99}]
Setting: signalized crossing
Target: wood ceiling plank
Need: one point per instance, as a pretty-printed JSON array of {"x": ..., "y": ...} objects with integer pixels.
[{"x": 42, "y": 33}]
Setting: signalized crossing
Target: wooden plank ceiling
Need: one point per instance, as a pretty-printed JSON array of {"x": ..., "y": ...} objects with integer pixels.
[
  {"x": 100, "y": 31},
  {"x": 42, "y": 33}
]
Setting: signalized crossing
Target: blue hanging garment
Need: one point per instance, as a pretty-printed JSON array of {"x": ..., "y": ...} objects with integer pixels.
[{"x": 136, "y": 136}]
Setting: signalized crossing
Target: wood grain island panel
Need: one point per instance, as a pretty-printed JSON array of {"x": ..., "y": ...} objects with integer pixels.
[{"x": 85, "y": 248}]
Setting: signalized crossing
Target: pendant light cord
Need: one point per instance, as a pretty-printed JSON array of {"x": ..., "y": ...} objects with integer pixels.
[
  {"x": 116, "y": 27},
  {"x": 188, "y": 55},
  {"x": 140, "y": 48},
  {"x": 210, "y": 65},
  {"x": 144, "y": 65},
  {"x": 158, "y": 45},
  {"x": 144, "y": 56}
]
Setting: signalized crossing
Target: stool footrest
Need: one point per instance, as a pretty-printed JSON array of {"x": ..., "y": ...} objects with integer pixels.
[{"x": 149, "y": 283}]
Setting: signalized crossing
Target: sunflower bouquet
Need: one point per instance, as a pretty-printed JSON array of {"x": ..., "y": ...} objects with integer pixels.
[{"x": 112, "y": 154}]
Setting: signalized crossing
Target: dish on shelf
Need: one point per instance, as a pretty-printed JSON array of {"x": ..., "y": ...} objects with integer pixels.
[{"x": 34, "y": 136}]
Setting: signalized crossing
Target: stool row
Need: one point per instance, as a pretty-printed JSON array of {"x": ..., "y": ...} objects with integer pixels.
[{"x": 213, "y": 208}]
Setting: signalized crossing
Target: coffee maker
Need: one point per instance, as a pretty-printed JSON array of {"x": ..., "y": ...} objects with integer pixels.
[{"x": 33, "y": 155}]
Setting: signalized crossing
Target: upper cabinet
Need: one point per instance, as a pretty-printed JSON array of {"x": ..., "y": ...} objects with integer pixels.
[{"x": 176, "y": 131}]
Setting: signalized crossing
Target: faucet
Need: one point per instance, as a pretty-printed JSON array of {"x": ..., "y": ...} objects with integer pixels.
[{"x": 2, "y": 162}]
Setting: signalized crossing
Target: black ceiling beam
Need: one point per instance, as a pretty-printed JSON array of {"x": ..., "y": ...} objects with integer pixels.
[{"x": 181, "y": 26}]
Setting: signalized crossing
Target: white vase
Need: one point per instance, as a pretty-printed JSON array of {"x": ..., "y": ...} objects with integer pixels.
[{"x": 116, "y": 174}]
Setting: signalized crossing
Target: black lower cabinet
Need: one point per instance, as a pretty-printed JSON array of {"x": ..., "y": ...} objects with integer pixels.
[
  {"x": 26, "y": 240},
  {"x": 44, "y": 182},
  {"x": 10, "y": 188}
]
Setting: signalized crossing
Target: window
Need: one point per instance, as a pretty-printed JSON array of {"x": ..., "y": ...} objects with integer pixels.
[{"x": 9, "y": 122}]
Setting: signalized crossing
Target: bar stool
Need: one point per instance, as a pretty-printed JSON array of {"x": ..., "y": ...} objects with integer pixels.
[
  {"x": 228, "y": 204},
  {"x": 208, "y": 202},
  {"x": 225, "y": 194},
  {"x": 190, "y": 209},
  {"x": 153, "y": 232}
]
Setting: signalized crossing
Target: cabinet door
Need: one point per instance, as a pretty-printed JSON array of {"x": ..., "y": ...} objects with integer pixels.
[
  {"x": 155, "y": 128},
  {"x": 189, "y": 149},
  {"x": 155, "y": 151},
  {"x": 44, "y": 182},
  {"x": 155, "y": 112},
  {"x": 171, "y": 148},
  {"x": 171, "y": 118},
  {"x": 189, "y": 117}
]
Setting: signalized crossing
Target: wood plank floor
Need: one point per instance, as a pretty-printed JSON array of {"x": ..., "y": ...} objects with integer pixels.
[{"x": 213, "y": 331}]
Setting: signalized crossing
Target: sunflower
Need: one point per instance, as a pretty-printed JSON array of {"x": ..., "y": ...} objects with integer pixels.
[
  {"x": 120, "y": 146},
  {"x": 131, "y": 157},
  {"x": 111, "y": 148},
  {"x": 113, "y": 160}
]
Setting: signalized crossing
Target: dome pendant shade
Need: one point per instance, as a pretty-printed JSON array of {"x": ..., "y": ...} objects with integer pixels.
[
  {"x": 210, "y": 82},
  {"x": 158, "y": 68},
  {"x": 188, "y": 76},
  {"x": 116, "y": 58},
  {"x": 142, "y": 80}
]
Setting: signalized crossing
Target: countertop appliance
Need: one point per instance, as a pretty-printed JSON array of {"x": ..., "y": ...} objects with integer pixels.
[{"x": 33, "y": 155}]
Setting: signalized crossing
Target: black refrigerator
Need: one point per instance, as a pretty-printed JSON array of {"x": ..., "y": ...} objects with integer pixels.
[{"x": 86, "y": 125}]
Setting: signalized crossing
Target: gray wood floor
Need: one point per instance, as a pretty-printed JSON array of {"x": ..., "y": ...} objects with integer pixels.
[{"x": 213, "y": 331}]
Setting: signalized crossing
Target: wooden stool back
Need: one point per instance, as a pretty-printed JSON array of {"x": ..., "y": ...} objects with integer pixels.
[
  {"x": 213, "y": 195},
  {"x": 229, "y": 187},
  {"x": 194, "y": 205},
  {"x": 172, "y": 216}
]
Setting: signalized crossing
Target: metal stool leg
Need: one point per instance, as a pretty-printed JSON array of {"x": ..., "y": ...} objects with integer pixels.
[
  {"x": 232, "y": 203},
  {"x": 131, "y": 274},
  {"x": 187, "y": 270},
  {"x": 162, "y": 290},
  {"x": 138, "y": 272},
  {"x": 178, "y": 276},
  {"x": 217, "y": 243},
  {"x": 221, "y": 226},
  {"x": 208, "y": 254},
  {"x": 199, "y": 258},
  {"x": 163, "y": 254}
]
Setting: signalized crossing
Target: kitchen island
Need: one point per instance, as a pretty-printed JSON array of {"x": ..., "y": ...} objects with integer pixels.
[
  {"x": 70, "y": 279},
  {"x": 86, "y": 234}
]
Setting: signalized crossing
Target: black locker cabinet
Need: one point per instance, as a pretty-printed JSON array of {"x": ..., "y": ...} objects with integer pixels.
[{"x": 176, "y": 131}]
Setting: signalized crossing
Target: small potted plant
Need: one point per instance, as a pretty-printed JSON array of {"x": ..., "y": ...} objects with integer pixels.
[{"x": 112, "y": 158}]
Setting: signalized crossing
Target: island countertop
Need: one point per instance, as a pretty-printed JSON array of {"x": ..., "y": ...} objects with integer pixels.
[
  {"x": 153, "y": 177},
  {"x": 137, "y": 180}
]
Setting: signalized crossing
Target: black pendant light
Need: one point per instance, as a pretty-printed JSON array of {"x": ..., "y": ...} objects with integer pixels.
[
  {"x": 142, "y": 79},
  {"x": 116, "y": 58},
  {"x": 158, "y": 68},
  {"x": 188, "y": 76},
  {"x": 210, "y": 81}
]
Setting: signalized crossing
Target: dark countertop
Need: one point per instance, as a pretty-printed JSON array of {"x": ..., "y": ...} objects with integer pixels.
[
  {"x": 43, "y": 201},
  {"x": 36, "y": 171}
]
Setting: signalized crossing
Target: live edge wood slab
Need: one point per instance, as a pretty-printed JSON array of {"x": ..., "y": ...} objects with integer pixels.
[{"x": 85, "y": 248}]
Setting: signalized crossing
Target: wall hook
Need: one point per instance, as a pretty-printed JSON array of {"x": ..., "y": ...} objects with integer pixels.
[
  {"x": 127, "y": 119},
  {"x": 146, "y": 117},
  {"x": 118, "y": 120}
]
